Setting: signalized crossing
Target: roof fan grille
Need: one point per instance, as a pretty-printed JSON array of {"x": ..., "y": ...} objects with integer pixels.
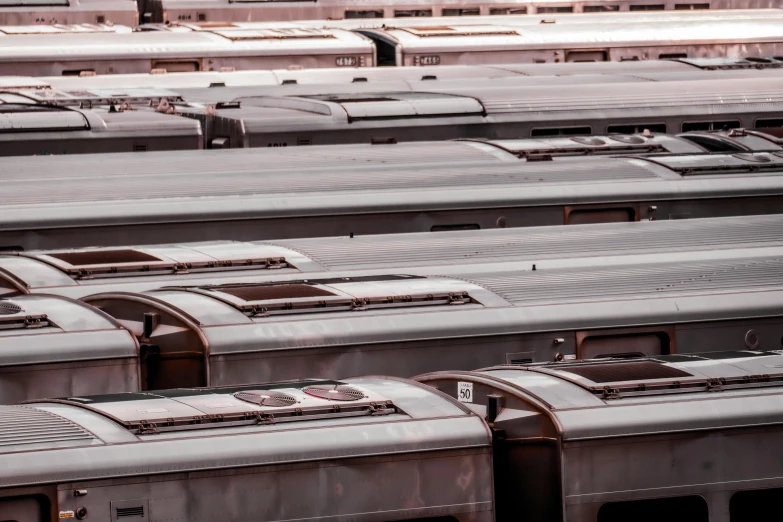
[
  {"x": 7, "y": 308},
  {"x": 623, "y": 372},
  {"x": 339, "y": 392},
  {"x": 266, "y": 398}
]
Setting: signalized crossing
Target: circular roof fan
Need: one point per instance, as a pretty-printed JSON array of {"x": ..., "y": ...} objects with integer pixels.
[
  {"x": 266, "y": 398},
  {"x": 589, "y": 141},
  {"x": 330, "y": 392},
  {"x": 8, "y": 308},
  {"x": 633, "y": 140}
]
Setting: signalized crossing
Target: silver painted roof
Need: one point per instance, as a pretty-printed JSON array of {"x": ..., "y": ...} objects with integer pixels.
[
  {"x": 431, "y": 422},
  {"x": 547, "y": 247}
]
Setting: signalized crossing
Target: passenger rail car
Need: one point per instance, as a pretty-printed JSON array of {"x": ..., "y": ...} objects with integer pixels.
[
  {"x": 78, "y": 273},
  {"x": 209, "y": 49},
  {"x": 277, "y": 193},
  {"x": 68, "y": 12},
  {"x": 680, "y": 438},
  {"x": 369, "y": 449},
  {"x": 53, "y": 345},
  {"x": 28, "y": 127},
  {"x": 477, "y": 110}
]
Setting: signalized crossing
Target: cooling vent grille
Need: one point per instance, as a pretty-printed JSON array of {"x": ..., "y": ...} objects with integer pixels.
[
  {"x": 624, "y": 372},
  {"x": 266, "y": 398},
  {"x": 137, "y": 511},
  {"x": 265, "y": 292},
  {"x": 7, "y": 308},
  {"x": 101, "y": 257},
  {"x": 339, "y": 392}
]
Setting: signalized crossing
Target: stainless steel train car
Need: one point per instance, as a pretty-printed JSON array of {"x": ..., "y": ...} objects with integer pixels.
[
  {"x": 368, "y": 449},
  {"x": 57, "y": 12},
  {"x": 78, "y": 273},
  {"x": 53, "y": 345},
  {"x": 250, "y": 10},
  {"x": 363, "y": 189},
  {"x": 448, "y": 110},
  {"x": 680, "y": 438},
  {"x": 39, "y": 51},
  {"x": 29, "y": 127}
]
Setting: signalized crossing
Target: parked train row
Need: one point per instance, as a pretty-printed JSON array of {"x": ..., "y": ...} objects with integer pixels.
[
  {"x": 224, "y": 313},
  {"x": 81, "y": 116},
  {"x": 131, "y": 12},
  {"x": 93, "y": 49},
  {"x": 595, "y": 441}
]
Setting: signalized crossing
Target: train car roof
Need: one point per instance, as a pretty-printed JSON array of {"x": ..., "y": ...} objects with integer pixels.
[
  {"x": 162, "y": 432},
  {"x": 607, "y": 398},
  {"x": 81, "y": 272},
  {"x": 345, "y": 311},
  {"x": 105, "y": 189},
  {"x": 45, "y": 328},
  {"x": 104, "y": 45}
]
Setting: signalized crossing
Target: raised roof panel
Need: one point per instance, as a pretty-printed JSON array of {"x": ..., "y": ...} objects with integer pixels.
[
  {"x": 33, "y": 3},
  {"x": 272, "y": 34},
  {"x": 625, "y": 372},
  {"x": 721, "y": 163},
  {"x": 576, "y": 146},
  {"x": 149, "y": 413},
  {"x": 456, "y": 31},
  {"x": 25, "y": 428},
  {"x": 27, "y": 118},
  {"x": 59, "y": 29},
  {"x": 371, "y": 106}
]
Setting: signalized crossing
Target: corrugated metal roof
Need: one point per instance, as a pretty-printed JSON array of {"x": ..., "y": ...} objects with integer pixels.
[{"x": 23, "y": 427}]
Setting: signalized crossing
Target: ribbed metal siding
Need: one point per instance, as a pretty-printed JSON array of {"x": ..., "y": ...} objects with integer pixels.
[
  {"x": 205, "y": 181},
  {"x": 512, "y": 244},
  {"x": 20, "y": 425},
  {"x": 636, "y": 281}
]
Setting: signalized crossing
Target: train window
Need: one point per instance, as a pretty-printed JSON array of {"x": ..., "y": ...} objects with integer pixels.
[
  {"x": 449, "y": 228},
  {"x": 552, "y": 9},
  {"x": 139, "y": 148},
  {"x": 364, "y": 14},
  {"x": 508, "y": 10},
  {"x": 600, "y": 8},
  {"x": 100, "y": 19},
  {"x": 648, "y": 7},
  {"x": 462, "y": 12},
  {"x": 586, "y": 56},
  {"x": 560, "y": 131},
  {"x": 675, "y": 509},
  {"x": 623, "y": 345},
  {"x": 636, "y": 128},
  {"x": 78, "y": 72},
  {"x": 592, "y": 216},
  {"x": 177, "y": 65},
  {"x": 412, "y": 13},
  {"x": 755, "y": 505},
  {"x": 710, "y": 125},
  {"x": 768, "y": 123},
  {"x": 202, "y": 17},
  {"x": 685, "y": 7},
  {"x": 672, "y": 56},
  {"x": 24, "y": 509}
]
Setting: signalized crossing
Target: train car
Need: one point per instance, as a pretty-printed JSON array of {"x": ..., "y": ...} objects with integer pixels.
[
  {"x": 29, "y": 127},
  {"x": 250, "y": 10},
  {"x": 39, "y": 51},
  {"x": 77, "y": 273},
  {"x": 404, "y": 324},
  {"x": 67, "y": 12},
  {"x": 496, "y": 110},
  {"x": 686, "y": 438},
  {"x": 370, "y": 449},
  {"x": 53, "y": 345},
  {"x": 276, "y": 193}
]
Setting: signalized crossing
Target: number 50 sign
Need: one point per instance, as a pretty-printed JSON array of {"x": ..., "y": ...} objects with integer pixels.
[{"x": 465, "y": 391}]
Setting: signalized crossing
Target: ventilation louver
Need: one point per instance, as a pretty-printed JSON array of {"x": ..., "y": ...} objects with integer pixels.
[
  {"x": 266, "y": 398},
  {"x": 339, "y": 392},
  {"x": 7, "y": 308}
]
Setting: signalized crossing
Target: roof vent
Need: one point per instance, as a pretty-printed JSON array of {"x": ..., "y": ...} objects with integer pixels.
[
  {"x": 597, "y": 142},
  {"x": 100, "y": 257},
  {"x": 624, "y": 372},
  {"x": 278, "y": 291},
  {"x": 339, "y": 392},
  {"x": 632, "y": 140},
  {"x": 753, "y": 158},
  {"x": 270, "y": 398},
  {"x": 8, "y": 308}
]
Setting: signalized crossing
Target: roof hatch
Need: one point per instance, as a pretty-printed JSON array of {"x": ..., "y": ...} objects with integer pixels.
[
  {"x": 13, "y": 317},
  {"x": 90, "y": 264},
  {"x": 204, "y": 408},
  {"x": 22, "y": 117},
  {"x": 456, "y": 31},
  {"x": 576, "y": 146},
  {"x": 385, "y": 106},
  {"x": 330, "y": 295},
  {"x": 721, "y": 163},
  {"x": 271, "y": 34}
]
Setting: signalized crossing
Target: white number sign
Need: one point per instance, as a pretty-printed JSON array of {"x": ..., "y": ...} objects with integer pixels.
[{"x": 465, "y": 391}]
